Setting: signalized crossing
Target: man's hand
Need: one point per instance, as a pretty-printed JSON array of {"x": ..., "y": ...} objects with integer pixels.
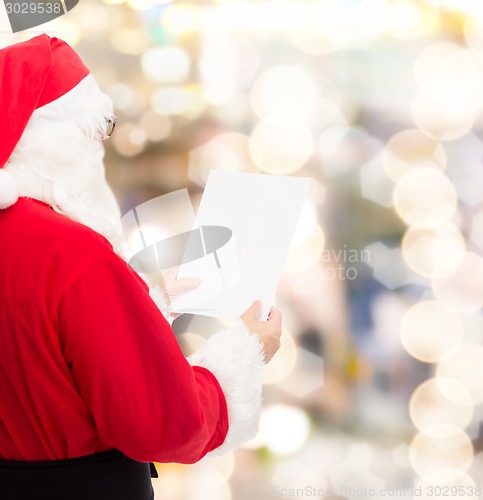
[
  {"x": 269, "y": 332},
  {"x": 171, "y": 286}
]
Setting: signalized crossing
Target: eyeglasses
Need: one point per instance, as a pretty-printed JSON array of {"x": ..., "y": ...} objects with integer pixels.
[{"x": 110, "y": 126}]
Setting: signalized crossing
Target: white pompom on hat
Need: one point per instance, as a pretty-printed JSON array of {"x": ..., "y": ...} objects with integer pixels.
[{"x": 33, "y": 73}]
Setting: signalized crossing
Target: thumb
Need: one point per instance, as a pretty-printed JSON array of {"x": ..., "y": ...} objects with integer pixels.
[
  {"x": 183, "y": 285},
  {"x": 254, "y": 311}
]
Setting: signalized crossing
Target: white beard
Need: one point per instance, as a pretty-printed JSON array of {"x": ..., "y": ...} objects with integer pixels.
[
  {"x": 96, "y": 208},
  {"x": 69, "y": 176},
  {"x": 59, "y": 160}
]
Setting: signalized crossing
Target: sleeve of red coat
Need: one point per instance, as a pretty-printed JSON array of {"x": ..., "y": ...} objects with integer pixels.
[{"x": 145, "y": 398}]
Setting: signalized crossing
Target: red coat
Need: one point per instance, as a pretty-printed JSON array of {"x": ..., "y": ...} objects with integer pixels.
[{"x": 87, "y": 361}]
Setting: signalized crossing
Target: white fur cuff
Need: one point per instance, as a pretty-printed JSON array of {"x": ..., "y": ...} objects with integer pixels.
[{"x": 235, "y": 357}]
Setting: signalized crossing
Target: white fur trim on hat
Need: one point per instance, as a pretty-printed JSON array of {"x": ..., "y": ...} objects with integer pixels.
[{"x": 8, "y": 189}]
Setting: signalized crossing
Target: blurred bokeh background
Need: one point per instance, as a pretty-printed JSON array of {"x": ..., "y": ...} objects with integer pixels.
[{"x": 377, "y": 389}]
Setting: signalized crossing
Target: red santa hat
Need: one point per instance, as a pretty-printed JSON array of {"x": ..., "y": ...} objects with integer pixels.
[{"x": 32, "y": 74}]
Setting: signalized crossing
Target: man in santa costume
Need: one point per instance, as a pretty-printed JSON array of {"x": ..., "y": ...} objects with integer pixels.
[{"x": 93, "y": 384}]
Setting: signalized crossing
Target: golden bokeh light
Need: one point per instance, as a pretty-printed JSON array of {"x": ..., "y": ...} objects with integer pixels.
[
  {"x": 280, "y": 146},
  {"x": 126, "y": 98},
  {"x": 206, "y": 482},
  {"x": 465, "y": 365},
  {"x": 454, "y": 5},
  {"x": 243, "y": 17},
  {"x": 156, "y": 127},
  {"x": 436, "y": 252},
  {"x": 427, "y": 62},
  {"x": 439, "y": 484},
  {"x": 275, "y": 422},
  {"x": 451, "y": 449},
  {"x": 178, "y": 100},
  {"x": 429, "y": 331},
  {"x": 409, "y": 19},
  {"x": 170, "y": 483},
  {"x": 462, "y": 290},
  {"x": 224, "y": 464},
  {"x": 141, "y": 4},
  {"x": 451, "y": 81},
  {"x": 473, "y": 31},
  {"x": 137, "y": 136},
  {"x": 219, "y": 50},
  {"x": 68, "y": 30},
  {"x": 283, "y": 363},
  {"x": 429, "y": 405},
  {"x": 310, "y": 282},
  {"x": 411, "y": 149},
  {"x": 460, "y": 73},
  {"x": 94, "y": 20},
  {"x": 289, "y": 474},
  {"x": 327, "y": 114},
  {"x": 448, "y": 72},
  {"x": 454, "y": 391},
  {"x": 306, "y": 224},
  {"x": 233, "y": 107},
  {"x": 327, "y": 26},
  {"x": 228, "y": 151},
  {"x": 445, "y": 120},
  {"x": 129, "y": 41},
  {"x": 182, "y": 18},
  {"x": 425, "y": 198},
  {"x": 371, "y": 21},
  {"x": 227, "y": 67},
  {"x": 283, "y": 90},
  {"x": 129, "y": 139},
  {"x": 306, "y": 253},
  {"x": 197, "y": 104},
  {"x": 166, "y": 64}
]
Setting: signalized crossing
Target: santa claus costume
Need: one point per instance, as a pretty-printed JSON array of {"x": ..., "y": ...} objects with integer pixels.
[{"x": 93, "y": 384}]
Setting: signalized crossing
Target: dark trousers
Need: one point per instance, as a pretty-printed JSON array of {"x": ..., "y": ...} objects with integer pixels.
[{"x": 103, "y": 476}]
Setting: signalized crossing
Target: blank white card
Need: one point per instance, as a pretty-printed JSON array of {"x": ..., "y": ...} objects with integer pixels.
[{"x": 262, "y": 212}]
